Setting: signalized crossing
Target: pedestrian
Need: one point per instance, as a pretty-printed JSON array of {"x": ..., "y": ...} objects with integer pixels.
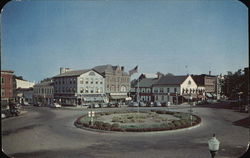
[{"x": 213, "y": 145}]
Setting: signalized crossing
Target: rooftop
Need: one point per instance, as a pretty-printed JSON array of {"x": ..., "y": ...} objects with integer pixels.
[
  {"x": 72, "y": 73},
  {"x": 171, "y": 80}
]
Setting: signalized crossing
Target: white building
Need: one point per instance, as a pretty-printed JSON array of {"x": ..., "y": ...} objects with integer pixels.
[
  {"x": 23, "y": 84},
  {"x": 77, "y": 87},
  {"x": 175, "y": 89}
]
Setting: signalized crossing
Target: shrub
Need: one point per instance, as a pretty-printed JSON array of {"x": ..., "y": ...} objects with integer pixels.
[
  {"x": 161, "y": 112},
  {"x": 115, "y": 125},
  {"x": 107, "y": 126}
]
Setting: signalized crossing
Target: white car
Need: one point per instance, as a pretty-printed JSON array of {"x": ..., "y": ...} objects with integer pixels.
[
  {"x": 134, "y": 104},
  {"x": 55, "y": 105},
  {"x": 157, "y": 104}
]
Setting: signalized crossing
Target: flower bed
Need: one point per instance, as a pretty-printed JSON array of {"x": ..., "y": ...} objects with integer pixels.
[{"x": 122, "y": 121}]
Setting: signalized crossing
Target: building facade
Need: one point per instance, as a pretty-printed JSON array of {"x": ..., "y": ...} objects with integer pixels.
[
  {"x": 23, "y": 90},
  {"x": 24, "y": 95},
  {"x": 43, "y": 93},
  {"x": 117, "y": 82},
  {"x": 209, "y": 83},
  {"x": 143, "y": 88},
  {"x": 78, "y": 87},
  {"x": 175, "y": 89},
  {"x": 7, "y": 86}
]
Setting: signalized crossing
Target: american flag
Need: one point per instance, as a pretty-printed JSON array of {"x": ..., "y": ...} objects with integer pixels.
[{"x": 134, "y": 70}]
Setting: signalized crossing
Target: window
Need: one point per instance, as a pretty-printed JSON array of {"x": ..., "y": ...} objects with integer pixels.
[
  {"x": 2, "y": 93},
  {"x": 96, "y": 82},
  {"x": 175, "y": 89},
  {"x": 123, "y": 89},
  {"x": 81, "y": 81},
  {"x": 161, "y": 90},
  {"x": 168, "y": 90},
  {"x": 155, "y": 90},
  {"x": 189, "y": 82},
  {"x": 162, "y": 97},
  {"x": 2, "y": 80},
  {"x": 81, "y": 90},
  {"x": 101, "y": 82},
  {"x": 87, "y": 82}
]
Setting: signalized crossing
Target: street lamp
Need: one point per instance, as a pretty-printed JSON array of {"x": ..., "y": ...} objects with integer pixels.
[
  {"x": 213, "y": 145},
  {"x": 176, "y": 98},
  {"x": 168, "y": 103},
  {"x": 191, "y": 110},
  {"x": 240, "y": 93}
]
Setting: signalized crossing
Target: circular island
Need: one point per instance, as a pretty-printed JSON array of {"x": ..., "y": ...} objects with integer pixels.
[{"x": 132, "y": 121}]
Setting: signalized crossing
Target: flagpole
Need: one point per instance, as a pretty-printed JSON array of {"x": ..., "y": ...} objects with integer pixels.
[{"x": 138, "y": 95}]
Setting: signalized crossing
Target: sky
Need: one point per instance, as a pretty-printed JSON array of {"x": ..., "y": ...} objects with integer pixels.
[{"x": 169, "y": 36}]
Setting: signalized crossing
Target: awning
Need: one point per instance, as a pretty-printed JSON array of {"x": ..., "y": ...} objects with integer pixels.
[
  {"x": 118, "y": 96},
  {"x": 92, "y": 98},
  {"x": 188, "y": 96}
]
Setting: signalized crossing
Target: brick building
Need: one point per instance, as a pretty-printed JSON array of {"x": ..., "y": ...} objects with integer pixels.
[{"x": 6, "y": 86}]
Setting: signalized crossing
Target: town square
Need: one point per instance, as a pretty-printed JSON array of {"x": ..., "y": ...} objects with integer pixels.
[{"x": 125, "y": 79}]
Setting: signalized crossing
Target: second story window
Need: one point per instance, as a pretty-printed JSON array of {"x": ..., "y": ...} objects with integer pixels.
[
  {"x": 155, "y": 90},
  {"x": 175, "y": 89},
  {"x": 161, "y": 90}
]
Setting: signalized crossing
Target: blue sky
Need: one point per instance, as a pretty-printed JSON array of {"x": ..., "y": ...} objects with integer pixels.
[{"x": 39, "y": 37}]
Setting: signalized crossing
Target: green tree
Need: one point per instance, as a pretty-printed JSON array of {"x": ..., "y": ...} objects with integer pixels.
[{"x": 234, "y": 83}]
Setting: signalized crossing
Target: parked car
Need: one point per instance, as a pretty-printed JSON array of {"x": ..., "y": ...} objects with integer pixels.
[
  {"x": 103, "y": 105},
  {"x": 142, "y": 104},
  {"x": 3, "y": 115},
  {"x": 94, "y": 105},
  {"x": 150, "y": 104},
  {"x": 55, "y": 105},
  {"x": 25, "y": 104},
  {"x": 37, "y": 104},
  {"x": 157, "y": 104},
  {"x": 118, "y": 104},
  {"x": 134, "y": 104},
  {"x": 111, "y": 104}
]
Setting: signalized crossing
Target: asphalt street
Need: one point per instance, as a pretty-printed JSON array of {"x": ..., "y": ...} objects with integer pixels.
[{"x": 47, "y": 132}]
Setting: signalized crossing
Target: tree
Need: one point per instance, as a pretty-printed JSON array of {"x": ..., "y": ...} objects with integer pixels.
[{"x": 234, "y": 83}]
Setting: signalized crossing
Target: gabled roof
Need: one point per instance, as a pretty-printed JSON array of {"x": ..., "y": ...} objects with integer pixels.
[
  {"x": 171, "y": 80},
  {"x": 72, "y": 73},
  {"x": 145, "y": 82},
  {"x": 199, "y": 79}
]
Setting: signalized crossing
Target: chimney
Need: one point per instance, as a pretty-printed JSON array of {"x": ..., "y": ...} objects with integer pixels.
[
  {"x": 122, "y": 68},
  {"x": 63, "y": 70}
]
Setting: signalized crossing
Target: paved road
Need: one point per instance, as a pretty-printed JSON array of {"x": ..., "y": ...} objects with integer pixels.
[{"x": 45, "y": 132}]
